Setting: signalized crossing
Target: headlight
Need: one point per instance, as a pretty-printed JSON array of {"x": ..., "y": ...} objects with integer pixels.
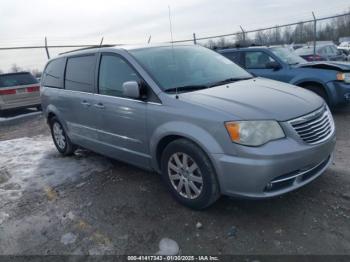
[
  {"x": 343, "y": 77},
  {"x": 254, "y": 133}
]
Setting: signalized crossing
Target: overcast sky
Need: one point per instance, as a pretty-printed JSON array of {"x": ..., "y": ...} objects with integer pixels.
[{"x": 27, "y": 22}]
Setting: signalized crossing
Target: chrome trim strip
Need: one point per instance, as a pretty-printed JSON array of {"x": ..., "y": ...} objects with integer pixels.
[
  {"x": 104, "y": 132},
  {"x": 308, "y": 116},
  {"x": 118, "y": 97},
  {"x": 299, "y": 174}
]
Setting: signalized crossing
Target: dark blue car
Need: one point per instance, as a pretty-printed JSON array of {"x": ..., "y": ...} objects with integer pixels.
[{"x": 330, "y": 80}]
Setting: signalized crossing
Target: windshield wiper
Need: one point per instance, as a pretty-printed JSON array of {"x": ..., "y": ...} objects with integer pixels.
[
  {"x": 187, "y": 88},
  {"x": 229, "y": 80}
]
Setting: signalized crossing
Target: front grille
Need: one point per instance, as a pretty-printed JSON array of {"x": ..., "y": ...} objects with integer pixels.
[{"x": 316, "y": 127}]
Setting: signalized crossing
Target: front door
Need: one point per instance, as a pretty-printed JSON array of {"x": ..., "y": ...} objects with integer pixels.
[
  {"x": 257, "y": 62},
  {"x": 122, "y": 126}
]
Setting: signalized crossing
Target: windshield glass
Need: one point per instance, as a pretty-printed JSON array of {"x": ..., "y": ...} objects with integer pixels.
[
  {"x": 287, "y": 55},
  {"x": 187, "y": 66}
]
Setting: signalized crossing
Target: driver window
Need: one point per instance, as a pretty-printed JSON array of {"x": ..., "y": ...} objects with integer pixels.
[
  {"x": 114, "y": 71},
  {"x": 257, "y": 60}
]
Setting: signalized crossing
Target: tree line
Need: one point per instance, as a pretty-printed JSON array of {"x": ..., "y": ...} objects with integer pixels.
[{"x": 301, "y": 33}]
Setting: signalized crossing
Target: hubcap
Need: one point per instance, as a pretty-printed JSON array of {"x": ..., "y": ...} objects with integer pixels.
[
  {"x": 59, "y": 135},
  {"x": 185, "y": 175}
]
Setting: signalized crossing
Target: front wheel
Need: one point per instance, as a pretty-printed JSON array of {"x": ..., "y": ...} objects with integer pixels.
[
  {"x": 189, "y": 174},
  {"x": 60, "y": 138}
]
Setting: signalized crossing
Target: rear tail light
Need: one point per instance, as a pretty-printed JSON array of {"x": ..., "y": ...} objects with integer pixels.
[
  {"x": 33, "y": 89},
  {"x": 314, "y": 58},
  {"x": 8, "y": 92}
]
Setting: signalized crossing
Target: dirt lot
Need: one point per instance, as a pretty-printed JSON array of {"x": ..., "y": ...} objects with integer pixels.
[{"x": 89, "y": 204}]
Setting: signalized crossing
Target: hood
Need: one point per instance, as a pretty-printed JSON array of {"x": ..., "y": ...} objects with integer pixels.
[
  {"x": 330, "y": 65},
  {"x": 256, "y": 99}
]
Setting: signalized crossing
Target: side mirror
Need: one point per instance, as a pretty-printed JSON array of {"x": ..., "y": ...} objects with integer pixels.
[
  {"x": 273, "y": 65},
  {"x": 131, "y": 89}
]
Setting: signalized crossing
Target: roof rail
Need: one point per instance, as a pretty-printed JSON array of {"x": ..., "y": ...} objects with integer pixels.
[{"x": 86, "y": 48}]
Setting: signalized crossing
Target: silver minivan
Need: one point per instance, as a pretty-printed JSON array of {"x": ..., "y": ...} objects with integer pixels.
[{"x": 205, "y": 124}]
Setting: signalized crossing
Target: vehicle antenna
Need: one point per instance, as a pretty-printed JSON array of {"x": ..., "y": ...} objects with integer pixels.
[{"x": 172, "y": 46}]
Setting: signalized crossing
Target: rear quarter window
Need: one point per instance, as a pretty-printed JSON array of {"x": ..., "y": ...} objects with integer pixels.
[
  {"x": 17, "y": 79},
  {"x": 53, "y": 75},
  {"x": 80, "y": 73}
]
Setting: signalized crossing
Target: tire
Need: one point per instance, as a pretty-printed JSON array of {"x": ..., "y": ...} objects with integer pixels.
[
  {"x": 318, "y": 91},
  {"x": 186, "y": 177},
  {"x": 60, "y": 138}
]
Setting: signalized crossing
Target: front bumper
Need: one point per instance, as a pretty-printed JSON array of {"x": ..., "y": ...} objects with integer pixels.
[
  {"x": 292, "y": 164},
  {"x": 339, "y": 93}
]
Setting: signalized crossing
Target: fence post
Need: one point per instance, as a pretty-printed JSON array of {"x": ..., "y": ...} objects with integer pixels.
[
  {"x": 194, "y": 38},
  {"x": 315, "y": 33},
  {"x": 47, "y": 49},
  {"x": 243, "y": 34}
]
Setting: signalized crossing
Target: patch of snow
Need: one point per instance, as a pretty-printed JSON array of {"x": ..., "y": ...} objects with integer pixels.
[
  {"x": 70, "y": 215},
  {"x": 3, "y": 217},
  {"x": 168, "y": 247},
  {"x": 35, "y": 164},
  {"x": 199, "y": 225},
  {"x": 68, "y": 238}
]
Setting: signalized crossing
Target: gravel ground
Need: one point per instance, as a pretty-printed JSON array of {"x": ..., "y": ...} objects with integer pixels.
[{"x": 124, "y": 210}]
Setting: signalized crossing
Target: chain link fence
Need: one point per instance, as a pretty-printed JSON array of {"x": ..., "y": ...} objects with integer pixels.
[{"x": 331, "y": 28}]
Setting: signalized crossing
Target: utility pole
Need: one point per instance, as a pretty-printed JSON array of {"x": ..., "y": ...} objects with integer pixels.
[
  {"x": 315, "y": 33},
  {"x": 47, "y": 49},
  {"x": 243, "y": 34},
  {"x": 194, "y": 38}
]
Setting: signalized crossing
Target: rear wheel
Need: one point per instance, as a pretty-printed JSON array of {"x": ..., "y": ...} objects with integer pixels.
[
  {"x": 60, "y": 138},
  {"x": 189, "y": 174}
]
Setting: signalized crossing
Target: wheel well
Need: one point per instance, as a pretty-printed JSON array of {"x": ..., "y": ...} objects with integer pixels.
[
  {"x": 315, "y": 84},
  {"x": 162, "y": 145},
  {"x": 50, "y": 116}
]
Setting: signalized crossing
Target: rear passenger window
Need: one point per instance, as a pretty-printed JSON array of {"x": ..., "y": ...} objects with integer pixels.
[
  {"x": 114, "y": 71},
  {"x": 234, "y": 57},
  {"x": 53, "y": 75},
  {"x": 80, "y": 73}
]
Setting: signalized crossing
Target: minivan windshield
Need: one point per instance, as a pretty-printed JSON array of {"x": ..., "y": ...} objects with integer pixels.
[
  {"x": 288, "y": 56},
  {"x": 188, "y": 68}
]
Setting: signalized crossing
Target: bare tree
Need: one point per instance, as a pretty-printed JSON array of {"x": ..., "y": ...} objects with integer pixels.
[{"x": 15, "y": 68}]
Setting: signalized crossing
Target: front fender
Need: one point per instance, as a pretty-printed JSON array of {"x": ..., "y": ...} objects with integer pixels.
[{"x": 187, "y": 130}]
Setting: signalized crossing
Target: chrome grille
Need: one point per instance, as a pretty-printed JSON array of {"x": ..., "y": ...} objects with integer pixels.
[{"x": 316, "y": 127}]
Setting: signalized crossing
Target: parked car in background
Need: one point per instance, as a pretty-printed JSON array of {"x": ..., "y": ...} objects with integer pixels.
[
  {"x": 19, "y": 90},
  {"x": 204, "y": 123},
  {"x": 324, "y": 52},
  {"x": 330, "y": 80},
  {"x": 344, "y": 46}
]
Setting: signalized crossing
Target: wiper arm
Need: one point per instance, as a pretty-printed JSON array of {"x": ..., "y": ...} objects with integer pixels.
[
  {"x": 187, "y": 88},
  {"x": 229, "y": 80}
]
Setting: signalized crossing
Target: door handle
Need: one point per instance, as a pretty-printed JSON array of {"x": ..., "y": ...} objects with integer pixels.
[
  {"x": 99, "y": 106},
  {"x": 85, "y": 103}
]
